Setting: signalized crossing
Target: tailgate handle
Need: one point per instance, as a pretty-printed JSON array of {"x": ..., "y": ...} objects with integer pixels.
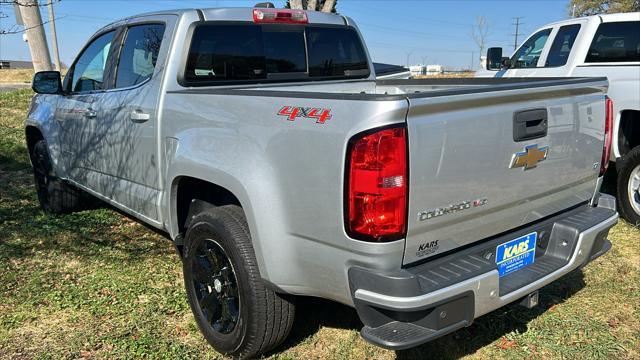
[{"x": 529, "y": 124}]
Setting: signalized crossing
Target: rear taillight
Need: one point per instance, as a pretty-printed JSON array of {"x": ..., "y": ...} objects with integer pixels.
[
  {"x": 376, "y": 189},
  {"x": 280, "y": 16},
  {"x": 608, "y": 136}
]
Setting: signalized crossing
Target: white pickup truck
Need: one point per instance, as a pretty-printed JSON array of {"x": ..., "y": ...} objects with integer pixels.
[
  {"x": 262, "y": 143},
  {"x": 600, "y": 45}
]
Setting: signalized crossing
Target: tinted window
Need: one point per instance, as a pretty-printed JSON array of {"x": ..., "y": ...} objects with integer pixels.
[
  {"x": 89, "y": 70},
  {"x": 562, "y": 44},
  {"x": 285, "y": 51},
  {"x": 616, "y": 42},
  {"x": 335, "y": 52},
  {"x": 226, "y": 52},
  {"x": 139, "y": 54},
  {"x": 273, "y": 52},
  {"x": 529, "y": 53}
]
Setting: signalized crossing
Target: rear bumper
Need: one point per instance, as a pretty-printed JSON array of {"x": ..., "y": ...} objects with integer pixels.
[{"x": 418, "y": 304}]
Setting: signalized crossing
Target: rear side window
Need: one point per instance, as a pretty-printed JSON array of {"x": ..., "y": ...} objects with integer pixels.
[
  {"x": 529, "y": 53},
  {"x": 223, "y": 53},
  {"x": 229, "y": 52},
  {"x": 139, "y": 54},
  {"x": 562, "y": 45},
  {"x": 615, "y": 42}
]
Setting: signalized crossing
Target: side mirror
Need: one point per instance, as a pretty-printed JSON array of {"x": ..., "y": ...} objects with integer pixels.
[
  {"x": 47, "y": 82},
  {"x": 494, "y": 58}
]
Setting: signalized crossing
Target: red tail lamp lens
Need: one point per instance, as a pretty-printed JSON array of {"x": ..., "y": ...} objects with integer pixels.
[{"x": 377, "y": 186}]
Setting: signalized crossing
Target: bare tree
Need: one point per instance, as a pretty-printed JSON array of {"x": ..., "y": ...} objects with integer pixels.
[
  {"x": 295, "y": 4},
  {"x": 15, "y": 28},
  {"x": 479, "y": 33},
  {"x": 312, "y": 5},
  {"x": 329, "y": 6}
]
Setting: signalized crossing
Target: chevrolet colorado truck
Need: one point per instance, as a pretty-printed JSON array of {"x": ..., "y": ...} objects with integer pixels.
[
  {"x": 600, "y": 45},
  {"x": 261, "y": 142}
]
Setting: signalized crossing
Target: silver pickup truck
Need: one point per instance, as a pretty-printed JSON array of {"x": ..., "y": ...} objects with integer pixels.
[{"x": 260, "y": 141}]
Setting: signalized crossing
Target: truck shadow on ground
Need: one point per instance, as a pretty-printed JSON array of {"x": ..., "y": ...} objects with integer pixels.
[{"x": 313, "y": 313}]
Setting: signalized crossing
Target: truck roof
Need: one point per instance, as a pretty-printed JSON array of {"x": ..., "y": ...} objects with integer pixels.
[
  {"x": 238, "y": 14},
  {"x": 602, "y": 17}
]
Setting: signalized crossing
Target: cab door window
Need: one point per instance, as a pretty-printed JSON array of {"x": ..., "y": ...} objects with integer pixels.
[
  {"x": 529, "y": 53},
  {"x": 139, "y": 54},
  {"x": 88, "y": 73}
]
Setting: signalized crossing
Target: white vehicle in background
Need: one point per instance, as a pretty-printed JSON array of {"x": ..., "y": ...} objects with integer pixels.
[{"x": 600, "y": 45}]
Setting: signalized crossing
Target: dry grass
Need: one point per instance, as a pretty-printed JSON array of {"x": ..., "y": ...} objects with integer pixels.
[{"x": 16, "y": 76}]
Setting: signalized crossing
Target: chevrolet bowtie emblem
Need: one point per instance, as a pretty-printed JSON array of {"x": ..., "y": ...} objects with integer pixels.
[{"x": 530, "y": 157}]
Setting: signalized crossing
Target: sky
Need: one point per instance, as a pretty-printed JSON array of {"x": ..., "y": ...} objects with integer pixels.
[{"x": 395, "y": 31}]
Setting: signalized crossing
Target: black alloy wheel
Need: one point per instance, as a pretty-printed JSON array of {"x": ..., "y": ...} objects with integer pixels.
[{"x": 216, "y": 286}]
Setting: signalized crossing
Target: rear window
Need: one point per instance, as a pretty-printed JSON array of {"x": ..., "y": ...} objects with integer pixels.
[
  {"x": 615, "y": 42},
  {"x": 237, "y": 53}
]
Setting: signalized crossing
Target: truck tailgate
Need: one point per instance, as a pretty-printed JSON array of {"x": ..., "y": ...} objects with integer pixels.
[{"x": 472, "y": 177}]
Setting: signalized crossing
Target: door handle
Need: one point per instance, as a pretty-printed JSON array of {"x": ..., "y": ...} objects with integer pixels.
[
  {"x": 90, "y": 114},
  {"x": 138, "y": 116}
]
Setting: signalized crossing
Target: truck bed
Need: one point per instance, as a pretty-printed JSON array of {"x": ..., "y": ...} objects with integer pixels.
[{"x": 460, "y": 142}]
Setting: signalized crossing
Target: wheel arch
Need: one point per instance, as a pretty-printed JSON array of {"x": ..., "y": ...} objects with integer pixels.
[
  {"x": 185, "y": 190},
  {"x": 628, "y": 131},
  {"x": 32, "y": 134}
]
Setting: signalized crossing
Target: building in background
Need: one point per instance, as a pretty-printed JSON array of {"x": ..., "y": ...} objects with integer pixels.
[
  {"x": 15, "y": 64},
  {"x": 426, "y": 69}
]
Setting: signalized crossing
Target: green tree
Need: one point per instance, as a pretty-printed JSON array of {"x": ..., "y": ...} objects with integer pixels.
[
  {"x": 313, "y": 5},
  {"x": 592, "y": 7}
]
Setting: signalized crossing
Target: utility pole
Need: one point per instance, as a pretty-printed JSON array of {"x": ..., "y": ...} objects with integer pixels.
[
  {"x": 517, "y": 25},
  {"x": 408, "y": 56},
  {"x": 34, "y": 30},
  {"x": 473, "y": 54},
  {"x": 54, "y": 36}
]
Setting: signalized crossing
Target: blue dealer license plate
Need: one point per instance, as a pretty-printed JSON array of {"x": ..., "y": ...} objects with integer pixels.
[{"x": 516, "y": 254}]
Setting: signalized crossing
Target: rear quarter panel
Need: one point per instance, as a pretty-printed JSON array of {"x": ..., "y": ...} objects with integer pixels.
[{"x": 288, "y": 177}]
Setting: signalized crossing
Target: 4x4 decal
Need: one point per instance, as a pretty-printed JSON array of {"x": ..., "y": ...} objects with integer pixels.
[{"x": 294, "y": 112}]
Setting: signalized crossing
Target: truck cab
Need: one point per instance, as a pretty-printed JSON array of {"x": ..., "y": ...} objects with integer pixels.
[{"x": 600, "y": 45}]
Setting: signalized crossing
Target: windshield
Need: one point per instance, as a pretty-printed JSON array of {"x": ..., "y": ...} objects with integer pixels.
[
  {"x": 239, "y": 53},
  {"x": 529, "y": 53}
]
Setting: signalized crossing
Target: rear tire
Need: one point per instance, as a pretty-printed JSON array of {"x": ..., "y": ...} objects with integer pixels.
[
  {"x": 628, "y": 186},
  {"x": 234, "y": 310},
  {"x": 55, "y": 196}
]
